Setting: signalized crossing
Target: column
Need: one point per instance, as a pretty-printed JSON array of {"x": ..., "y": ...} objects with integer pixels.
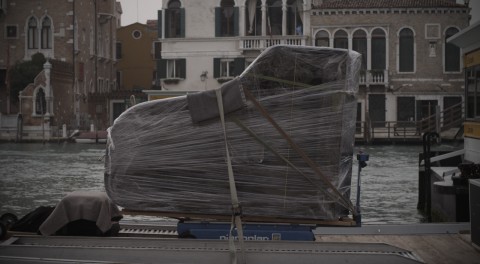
[
  {"x": 47, "y": 68},
  {"x": 350, "y": 41},
  {"x": 306, "y": 19},
  {"x": 369, "y": 52},
  {"x": 264, "y": 18},
  {"x": 284, "y": 18},
  {"x": 241, "y": 20}
]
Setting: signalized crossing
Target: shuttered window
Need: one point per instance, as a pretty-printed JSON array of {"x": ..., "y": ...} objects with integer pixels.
[{"x": 174, "y": 20}]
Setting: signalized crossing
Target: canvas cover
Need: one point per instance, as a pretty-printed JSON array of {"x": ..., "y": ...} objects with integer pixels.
[{"x": 169, "y": 155}]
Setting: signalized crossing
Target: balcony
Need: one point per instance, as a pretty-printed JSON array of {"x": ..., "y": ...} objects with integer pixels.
[
  {"x": 263, "y": 42},
  {"x": 374, "y": 77}
]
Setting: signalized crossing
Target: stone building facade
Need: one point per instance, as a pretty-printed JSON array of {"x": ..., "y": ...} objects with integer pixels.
[
  {"x": 409, "y": 70},
  {"x": 205, "y": 43},
  {"x": 77, "y": 36}
]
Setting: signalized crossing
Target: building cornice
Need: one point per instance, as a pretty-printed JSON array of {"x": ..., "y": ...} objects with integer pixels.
[{"x": 377, "y": 11}]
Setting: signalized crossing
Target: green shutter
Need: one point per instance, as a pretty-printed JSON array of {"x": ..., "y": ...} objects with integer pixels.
[
  {"x": 239, "y": 66},
  {"x": 162, "y": 69},
  {"x": 216, "y": 67},
  {"x": 167, "y": 26},
  {"x": 182, "y": 22},
  {"x": 218, "y": 22},
  {"x": 183, "y": 68},
  {"x": 235, "y": 21},
  {"x": 159, "y": 24}
]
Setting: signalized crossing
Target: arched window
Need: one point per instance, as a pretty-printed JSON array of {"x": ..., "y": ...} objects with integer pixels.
[
  {"x": 274, "y": 17},
  {"x": 32, "y": 37},
  {"x": 340, "y": 40},
  {"x": 253, "y": 16},
  {"x": 359, "y": 44},
  {"x": 46, "y": 33},
  {"x": 40, "y": 102},
  {"x": 173, "y": 20},
  {"x": 406, "y": 52},
  {"x": 294, "y": 17},
  {"x": 226, "y": 19},
  {"x": 379, "y": 50},
  {"x": 322, "y": 39},
  {"x": 452, "y": 52}
]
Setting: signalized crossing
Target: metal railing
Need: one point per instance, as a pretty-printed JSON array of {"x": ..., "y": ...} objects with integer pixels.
[{"x": 451, "y": 117}]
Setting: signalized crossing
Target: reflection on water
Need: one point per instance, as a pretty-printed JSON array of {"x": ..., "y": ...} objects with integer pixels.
[{"x": 32, "y": 175}]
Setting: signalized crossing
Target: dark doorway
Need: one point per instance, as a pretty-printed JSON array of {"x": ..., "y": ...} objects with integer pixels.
[
  {"x": 118, "y": 109},
  {"x": 376, "y": 109},
  {"x": 406, "y": 108}
]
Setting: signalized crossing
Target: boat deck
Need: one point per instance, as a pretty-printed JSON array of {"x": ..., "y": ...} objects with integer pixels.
[{"x": 157, "y": 243}]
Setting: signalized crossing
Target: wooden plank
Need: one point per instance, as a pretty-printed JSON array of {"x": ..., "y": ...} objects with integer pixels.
[
  {"x": 431, "y": 248},
  {"x": 245, "y": 218}
]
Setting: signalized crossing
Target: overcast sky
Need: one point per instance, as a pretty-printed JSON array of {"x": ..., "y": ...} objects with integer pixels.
[
  {"x": 142, "y": 10},
  {"x": 139, "y": 10}
]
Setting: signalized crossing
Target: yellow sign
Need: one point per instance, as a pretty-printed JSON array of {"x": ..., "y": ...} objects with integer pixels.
[
  {"x": 472, "y": 130},
  {"x": 156, "y": 97},
  {"x": 472, "y": 59}
]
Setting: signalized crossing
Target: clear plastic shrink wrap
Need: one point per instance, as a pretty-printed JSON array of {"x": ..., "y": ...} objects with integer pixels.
[{"x": 168, "y": 156}]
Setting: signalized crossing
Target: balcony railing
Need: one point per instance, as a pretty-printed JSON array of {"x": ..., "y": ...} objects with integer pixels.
[
  {"x": 262, "y": 42},
  {"x": 374, "y": 77}
]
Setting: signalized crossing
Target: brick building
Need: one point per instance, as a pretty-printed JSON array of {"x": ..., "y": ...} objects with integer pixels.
[{"x": 78, "y": 39}]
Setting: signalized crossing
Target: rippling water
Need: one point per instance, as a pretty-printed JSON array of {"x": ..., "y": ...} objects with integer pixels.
[
  {"x": 37, "y": 174},
  {"x": 32, "y": 175}
]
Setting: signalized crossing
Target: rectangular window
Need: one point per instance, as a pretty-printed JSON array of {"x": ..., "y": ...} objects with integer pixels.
[
  {"x": 226, "y": 21},
  {"x": 175, "y": 23},
  {"x": 32, "y": 38},
  {"x": 118, "y": 50},
  {"x": 378, "y": 54},
  {"x": 11, "y": 32},
  {"x": 340, "y": 43},
  {"x": 406, "y": 54},
  {"x": 360, "y": 45},
  {"x": 157, "y": 49},
  {"x": 171, "y": 69},
  {"x": 227, "y": 68},
  {"x": 405, "y": 108},
  {"x": 46, "y": 38},
  {"x": 452, "y": 58},
  {"x": 118, "y": 108}
]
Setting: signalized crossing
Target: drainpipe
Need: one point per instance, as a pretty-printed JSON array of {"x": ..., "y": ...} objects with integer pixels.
[
  {"x": 96, "y": 48},
  {"x": 73, "y": 62}
]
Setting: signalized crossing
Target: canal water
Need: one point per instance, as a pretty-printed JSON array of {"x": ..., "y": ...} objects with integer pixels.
[{"x": 32, "y": 175}]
